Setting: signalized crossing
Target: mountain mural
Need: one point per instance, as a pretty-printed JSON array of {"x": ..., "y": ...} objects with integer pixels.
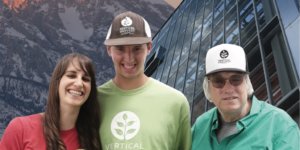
[{"x": 34, "y": 34}]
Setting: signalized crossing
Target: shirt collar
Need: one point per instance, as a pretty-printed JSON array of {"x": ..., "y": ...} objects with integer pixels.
[
  {"x": 215, "y": 122},
  {"x": 244, "y": 122},
  {"x": 255, "y": 109}
]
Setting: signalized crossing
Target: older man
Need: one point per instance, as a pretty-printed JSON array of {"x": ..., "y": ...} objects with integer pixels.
[{"x": 239, "y": 121}]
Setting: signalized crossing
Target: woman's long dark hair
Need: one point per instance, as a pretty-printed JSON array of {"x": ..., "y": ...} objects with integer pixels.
[{"x": 88, "y": 121}]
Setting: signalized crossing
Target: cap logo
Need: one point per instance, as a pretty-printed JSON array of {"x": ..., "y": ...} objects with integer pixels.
[
  {"x": 126, "y": 22},
  {"x": 127, "y": 29},
  {"x": 224, "y": 54}
]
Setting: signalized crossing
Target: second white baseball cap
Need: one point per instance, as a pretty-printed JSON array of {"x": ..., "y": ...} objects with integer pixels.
[{"x": 225, "y": 57}]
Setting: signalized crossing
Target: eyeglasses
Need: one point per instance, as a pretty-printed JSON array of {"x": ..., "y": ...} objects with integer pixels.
[{"x": 219, "y": 82}]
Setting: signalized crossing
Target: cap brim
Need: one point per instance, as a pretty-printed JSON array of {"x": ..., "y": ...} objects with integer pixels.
[
  {"x": 226, "y": 69},
  {"x": 127, "y": 41}
]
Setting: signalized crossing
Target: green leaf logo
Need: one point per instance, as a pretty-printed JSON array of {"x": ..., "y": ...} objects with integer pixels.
[
  {"x": 120, "y": 124},
  {"x": 130, "y": 131},
  {"x": 119, "y": 132},
  {"x": 125, "y": 125}
]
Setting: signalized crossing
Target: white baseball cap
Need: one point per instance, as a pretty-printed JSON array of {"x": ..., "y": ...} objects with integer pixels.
[{"x": 225, "y": 57}]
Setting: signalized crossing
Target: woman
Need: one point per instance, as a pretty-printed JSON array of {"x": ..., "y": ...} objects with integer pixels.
[{"x": 71, "y": 120}]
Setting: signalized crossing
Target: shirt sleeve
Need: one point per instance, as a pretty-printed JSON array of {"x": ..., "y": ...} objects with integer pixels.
[
  {"x": 288, "y": 140},
  {"x": 12, "y": 136},
  {"x": 184, "y": 135}
]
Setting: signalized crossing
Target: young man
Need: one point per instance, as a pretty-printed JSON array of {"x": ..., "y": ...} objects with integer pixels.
[
  {"x": 139, "y": 112},
  {"x": 239, "y": 121}
]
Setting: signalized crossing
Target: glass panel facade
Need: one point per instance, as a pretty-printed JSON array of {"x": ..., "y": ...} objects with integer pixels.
[
  {"x": 218, "y": 33},
  {"x": 229, "y": 4},
  {"x": 247, "y": 21},
  {"x": 288, "y": 11},
  {"x": 257, "y": 25},
  {"x": 218, "y": 10},
  {"x": 181, "y": 76},
  {"x": 265, "y": 12},
  {"x": 205, "y": 45},
  {"x": 290, "y": 15},
  {"x": 231, "y": 27},
  {"x": 193, "y": 53},
  {"x": 170, "y": 49},
  {"x": 207, "y": 18}
]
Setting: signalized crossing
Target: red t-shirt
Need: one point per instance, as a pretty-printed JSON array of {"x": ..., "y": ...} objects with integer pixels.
[{"x": 24, "y": 133}]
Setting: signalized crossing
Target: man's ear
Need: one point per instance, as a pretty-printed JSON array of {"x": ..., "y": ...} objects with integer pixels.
[
  {"x": 108, "y": 50},
  {"x": 149, "y": 47}
]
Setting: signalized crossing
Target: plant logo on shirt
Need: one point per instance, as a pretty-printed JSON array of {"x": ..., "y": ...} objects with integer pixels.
[{"x": 125, "y": 125}]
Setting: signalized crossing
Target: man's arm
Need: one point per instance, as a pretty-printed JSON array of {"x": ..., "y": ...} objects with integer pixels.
[
  {"x": 289, "y": 139},
  {"x": 184, "y": 135}
]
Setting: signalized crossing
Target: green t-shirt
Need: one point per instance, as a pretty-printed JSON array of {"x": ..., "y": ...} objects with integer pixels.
[
  {"x": 152, "y": 117},
  {"x": 265, "y": 127}
]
